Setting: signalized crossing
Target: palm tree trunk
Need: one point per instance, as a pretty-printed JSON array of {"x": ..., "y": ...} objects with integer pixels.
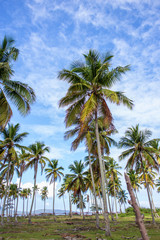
[
  {"x": 35, "y": 203},
  {"x": 27, "y": 207},
  {"x": 53, "y": 196},
  {"x": 64, "y": 205},
  {"x": 23, "y": 206},
  {"x": 44, "y": 205},
  {"x": 150, "y": 203},
  {"x": 81, "y": 205},
  {"x": 106, "y": 218},
  {"x": 34, "y": 190},
  {"x": 115, "y": 199},
  {"x": 18, "y": 199},
  {"x": 5, "y": 196},
  {"x": 112, "y": 217},
  {"x": 94, "y": 190},
  {"x": 70, "y": 206}
]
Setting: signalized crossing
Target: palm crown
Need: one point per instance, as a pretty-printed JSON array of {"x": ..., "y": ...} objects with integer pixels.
[
  {"x": 19, "y": 93},
  {"x": 90, "y": 84}
]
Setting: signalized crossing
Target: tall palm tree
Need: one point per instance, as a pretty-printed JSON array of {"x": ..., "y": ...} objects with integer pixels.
[
  {"x": 36, "y": 157},
  {"x": 78, "y": 180},
  {"x": 88, "y": 93},
  {"x": 53, "y": 172},
  {"x": 11, "y": 141},
  {"x": 44, "y": 195},
  {"x": 19, "y": 93},
  {"x": 140, "y": 153}
]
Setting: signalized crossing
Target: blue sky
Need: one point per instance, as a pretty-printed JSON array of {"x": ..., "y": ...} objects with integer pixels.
[{"x": 51, "y": 34}]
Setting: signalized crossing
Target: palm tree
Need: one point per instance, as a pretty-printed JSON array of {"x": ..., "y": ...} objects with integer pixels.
[
  {"x": 23, "y": 195},
  {"x": 78, "y": 180},
  {"x": 14, "y": 194},
  {"x": 36, "y": 157},
  {"x": 44, "y": 195},
  {"x": 66, "y": 185},
  {"x": 89, "y": 91},
  {"x": 53, "y": 172},
  {"x": 122, "y": 198},
  {"x": 19, "y": 93},
  {"x": 22, "y": 163},
  {"x": 112, "y": 174},
  {"x": 140, "y": 153},
  {"x": 61, "y": 193},
  {"x": 11, "y": 139}
]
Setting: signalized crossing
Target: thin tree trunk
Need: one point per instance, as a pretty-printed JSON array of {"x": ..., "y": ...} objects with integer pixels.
[
  {"x": 53, "y": 196},
  {"x": 35, "y": 175},
  {"x": 44, "y": 205},
  {"x": 94, "y": 191},
  {"x": 70, "y": 206},
  {"x": 23, "y": 206},
  {"x": 115, "y": 199},
  {"x": 81, "y": 205},
  {"x": 54, "y": 200},
  {"x": 18, "y": 199},
  {"x": 150, "y": 203},
  {"x": 27, "y": 208},
  {"x": 5, "y": 195},
  {"x": 133, "y": 203},
  {"x": 106, "y": 218},
  {"x": 35, "y": 203},
  {"x": 112, "y": 217},
  {"x": 64, "y": 205},
  {"x": 156, "y": 214}
]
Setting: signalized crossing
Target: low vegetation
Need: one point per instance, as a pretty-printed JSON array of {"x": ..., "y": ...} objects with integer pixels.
[{"x": 44, "y": 227}]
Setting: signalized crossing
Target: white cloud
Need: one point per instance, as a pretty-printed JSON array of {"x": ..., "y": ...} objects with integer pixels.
[{"x": 40, "y": 186}]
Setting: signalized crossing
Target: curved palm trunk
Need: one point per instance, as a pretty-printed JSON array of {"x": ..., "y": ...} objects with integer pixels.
[
  {"x": 5, "y": 196},
  {"x": 34, "y": 190},
  {"x": 17, "y": 200},
  {"x": 106, "y": 218},
  {"x": 94, "y": 191}
]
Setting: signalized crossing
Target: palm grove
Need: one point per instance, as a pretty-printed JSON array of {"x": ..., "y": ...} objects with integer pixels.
[{"x": 97, "y": 179}]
